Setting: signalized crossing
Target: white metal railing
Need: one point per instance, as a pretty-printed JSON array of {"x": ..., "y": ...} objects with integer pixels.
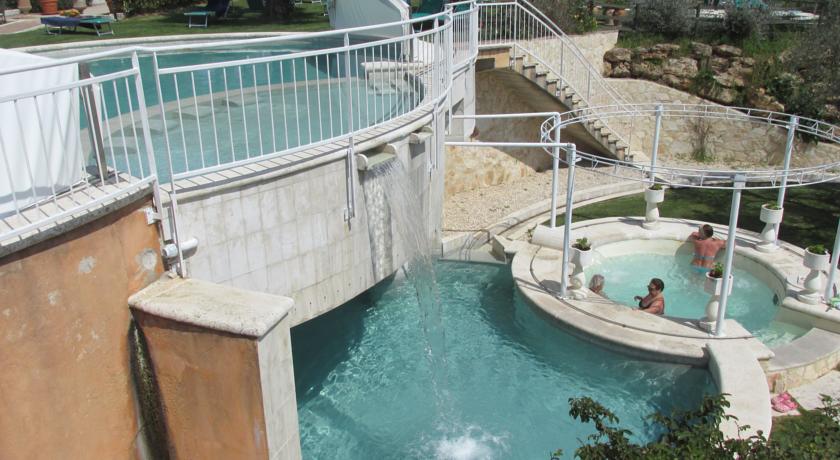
[
  {"x": 70, "y": 141},
  {"x": 213, "y": 115},
  {"x": 767, "y": 178},
  {"x": 531, "y": 33}
]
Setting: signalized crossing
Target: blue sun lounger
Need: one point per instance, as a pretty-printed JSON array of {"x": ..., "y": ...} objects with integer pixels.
[{"x": 54, "y": 25}]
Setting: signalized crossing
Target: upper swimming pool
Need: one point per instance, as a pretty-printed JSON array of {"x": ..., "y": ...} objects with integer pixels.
[
  {"x": 366, "y": 387},
  {"x": 220, "y": 115}
]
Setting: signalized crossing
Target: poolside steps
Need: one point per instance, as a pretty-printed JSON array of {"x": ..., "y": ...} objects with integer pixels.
[{"x": 555, "y": 85}]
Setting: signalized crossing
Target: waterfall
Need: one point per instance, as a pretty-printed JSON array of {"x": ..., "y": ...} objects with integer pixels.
[{"x": 394, "y": 204}]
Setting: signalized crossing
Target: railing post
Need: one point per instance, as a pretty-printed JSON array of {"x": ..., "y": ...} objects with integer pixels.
[
  {"x": 555, "y": 171},
  {"x": 350, "y": 213},
  {"x": 780, "y": 199},
  {"x": 571, "y": 154},
  {"x": 656, "y": 133},
  {"x": 832, "y": 270},
  {"x": 738, "y": 186},
  {"x": 144, "y": 122}
]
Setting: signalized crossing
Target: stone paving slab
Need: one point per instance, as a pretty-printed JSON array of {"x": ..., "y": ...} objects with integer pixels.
[{"x": 808, "y": 396}]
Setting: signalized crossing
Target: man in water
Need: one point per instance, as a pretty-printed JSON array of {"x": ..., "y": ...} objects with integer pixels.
[
  {"x": 705, "y": 248},
  {"x": 654, "y": 302}
]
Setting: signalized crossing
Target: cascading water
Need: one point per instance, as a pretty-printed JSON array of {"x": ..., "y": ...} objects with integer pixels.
[{"x": 393, "y": 204}]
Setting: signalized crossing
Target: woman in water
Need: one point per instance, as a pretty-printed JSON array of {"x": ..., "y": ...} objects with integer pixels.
[
  {"x": 706, "y": 248},
  {"x": 654, "y": 302}
]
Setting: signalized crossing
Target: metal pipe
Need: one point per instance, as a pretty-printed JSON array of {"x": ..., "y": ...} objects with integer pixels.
[
  {"x": 780, "y": 200},
  {"x": 656, "y": 132},
  {"x": 555, "y": 170},
  {"x": 730, "y": 252},
  {"x": 832, "y": 270},
  {"x": 567, "y": 228}
]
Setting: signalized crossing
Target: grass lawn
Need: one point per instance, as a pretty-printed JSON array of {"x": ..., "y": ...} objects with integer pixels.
[
  {"x": 811, "y": 213},
  {"x": 307, "y": 18}
]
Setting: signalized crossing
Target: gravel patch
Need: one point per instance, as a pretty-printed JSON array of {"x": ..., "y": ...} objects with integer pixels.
[{"x": 474, "y": 210}]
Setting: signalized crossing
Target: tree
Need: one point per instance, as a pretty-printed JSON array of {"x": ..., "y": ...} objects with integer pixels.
[{"x": 279, "y": 8}]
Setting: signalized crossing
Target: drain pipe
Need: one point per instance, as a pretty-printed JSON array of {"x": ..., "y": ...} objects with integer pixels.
[
  {"x": 739, "y": 182},
  {"x": 656, "y": 133}
]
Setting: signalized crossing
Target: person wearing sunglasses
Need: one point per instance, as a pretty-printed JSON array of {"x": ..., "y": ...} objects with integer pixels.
[{"x": 654, "y": 302}]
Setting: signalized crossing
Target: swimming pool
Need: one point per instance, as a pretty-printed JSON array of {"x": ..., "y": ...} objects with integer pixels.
[
  {"x": 221, "y": 115},
  {"x": 753, "y": 303},
  {"x": 365, "y": 386}
]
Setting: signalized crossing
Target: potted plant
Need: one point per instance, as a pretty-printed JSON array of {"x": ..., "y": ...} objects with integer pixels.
[
  {"x": 654, "y": 195},
  {"x": 714, "y": 287},
  {"x": 771, "y": 213},
  {"x": 816, "y": 257},
  {"x": 582, "y": 252}
]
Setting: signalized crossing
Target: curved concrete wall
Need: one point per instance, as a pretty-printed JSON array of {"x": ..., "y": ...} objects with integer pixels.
[{"x": 287, "y": 235}]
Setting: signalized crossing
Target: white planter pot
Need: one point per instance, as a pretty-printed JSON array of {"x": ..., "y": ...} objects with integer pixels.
[
  {"x": 815, "y": 261},
  {"x": 654, "y": 196},
  {"x": 582, "y": 258},
  {"x": 713, "y": 286},
  {"x": 770, "y": 216}
]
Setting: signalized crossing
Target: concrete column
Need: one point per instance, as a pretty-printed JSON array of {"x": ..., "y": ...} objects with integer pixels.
[{"x": 222, "y": 366}]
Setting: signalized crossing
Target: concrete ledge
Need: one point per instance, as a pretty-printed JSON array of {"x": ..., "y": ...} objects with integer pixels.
[
  {"x": 739, "y": 375},
  {"x": 807, "y": 315},
  {"x": 212, "y": 306},
  {"x": 803, "y": 360}
]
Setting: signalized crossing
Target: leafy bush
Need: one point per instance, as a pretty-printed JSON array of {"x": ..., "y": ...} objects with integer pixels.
[
  {"x": 582, "y": 244},
  {"x": 716, "y": 271},
  {"x": 572, "y": 16},
  {"x": 671, "y": 18},
  {"x": 742, "y": 23},
  {"x": 11, "y": 3},
  {"x": 696, "y": 434},
  {"x": 817, "y": 249},
  {"x": 65, "y": 4},
  {"x": 147, "y": 6}
]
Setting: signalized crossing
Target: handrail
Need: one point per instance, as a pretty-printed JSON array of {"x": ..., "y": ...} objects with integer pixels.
[{"x": 698, "y": 177}]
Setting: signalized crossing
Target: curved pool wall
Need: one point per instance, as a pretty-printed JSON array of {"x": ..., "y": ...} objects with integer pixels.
[{"x": 367, "y": 389}]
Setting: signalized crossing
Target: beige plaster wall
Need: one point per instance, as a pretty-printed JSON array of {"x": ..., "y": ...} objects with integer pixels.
[
  {"x": 209, "y": 384},
  {"x": 733, "y": 143},
  {"x": 65, "y": 388},
  {"x": 594, "y": 45}
]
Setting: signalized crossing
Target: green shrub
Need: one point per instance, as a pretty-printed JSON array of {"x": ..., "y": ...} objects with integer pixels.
[
  {"x": 65, "y": 4},
  {"x": 148, "y": 6},
  {"x": 671, "y": 18},
  {"x": 11, "y": 3},
  {"x": 695, "y": 434},
  {"x": 572, "y": 16},
  {"x": 742, "y": 23}
]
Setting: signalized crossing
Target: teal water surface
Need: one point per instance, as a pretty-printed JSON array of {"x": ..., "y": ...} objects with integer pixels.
[
  {"x": 365, "y": 388},
  {"x": 752, "y": 303}
]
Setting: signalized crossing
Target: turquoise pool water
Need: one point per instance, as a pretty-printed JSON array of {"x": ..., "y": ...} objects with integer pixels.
[
  {"x": 241, "y": 112},
  {"x": 365, "y": 388},
  {"x": 752, "y": 303}
]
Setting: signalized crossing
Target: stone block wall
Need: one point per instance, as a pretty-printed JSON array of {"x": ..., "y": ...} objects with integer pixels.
[
  {"x": 287, "y": 235},
  {"x": 595, "y": 44}
]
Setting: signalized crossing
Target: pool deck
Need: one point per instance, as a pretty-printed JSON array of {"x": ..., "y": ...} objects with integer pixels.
[{"x": 738, "y": 361}]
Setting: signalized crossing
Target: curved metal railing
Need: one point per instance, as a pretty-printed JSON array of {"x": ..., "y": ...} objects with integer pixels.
[{"x": 758, "y": 178}]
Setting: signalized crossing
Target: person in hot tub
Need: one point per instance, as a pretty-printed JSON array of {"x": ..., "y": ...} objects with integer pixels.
[
  {"x": 654, "y": 302},
  {"x": 706, "y": 247}
]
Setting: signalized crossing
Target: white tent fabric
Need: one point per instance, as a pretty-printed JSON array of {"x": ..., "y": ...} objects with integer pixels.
[
  {"x": 357, "y": 13},
  {"x": 40, "y": 145}
]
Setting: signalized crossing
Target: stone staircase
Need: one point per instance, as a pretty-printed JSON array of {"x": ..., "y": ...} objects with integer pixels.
[{"x": 553, "y": 85}]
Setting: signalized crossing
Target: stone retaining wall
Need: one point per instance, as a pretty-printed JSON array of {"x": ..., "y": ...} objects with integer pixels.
[{"x": 733, "y": 143}]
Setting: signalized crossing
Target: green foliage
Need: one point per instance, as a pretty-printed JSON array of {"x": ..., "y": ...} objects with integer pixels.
[
  {"x": 11, "y": 3},
  {"x": 656, "y": 186},
  {"x": 716, "y": 271},
  {"x": 695, "y": 434},
  {"x": 572, "y": 16},
  {"x": 704, "y": 82},
  {"x": 146, "y": 6},
  {"x": 671, "y": 18},
  {"x": 772, "y": 206},
  {"x": 583, "y": 244},
  {"x": 65, "y": 4},
  {"x": 817, "y": 249},
  {"x": 743, "y": 23}
]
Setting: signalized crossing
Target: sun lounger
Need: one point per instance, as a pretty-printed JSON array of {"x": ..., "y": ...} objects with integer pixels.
[
  {"x": 54, "y": 25},
  {"x": 218, "y": 8}
]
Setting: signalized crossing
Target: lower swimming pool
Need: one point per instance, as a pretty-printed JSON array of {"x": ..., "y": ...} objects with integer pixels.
[{"x": 365, "y": 386}]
